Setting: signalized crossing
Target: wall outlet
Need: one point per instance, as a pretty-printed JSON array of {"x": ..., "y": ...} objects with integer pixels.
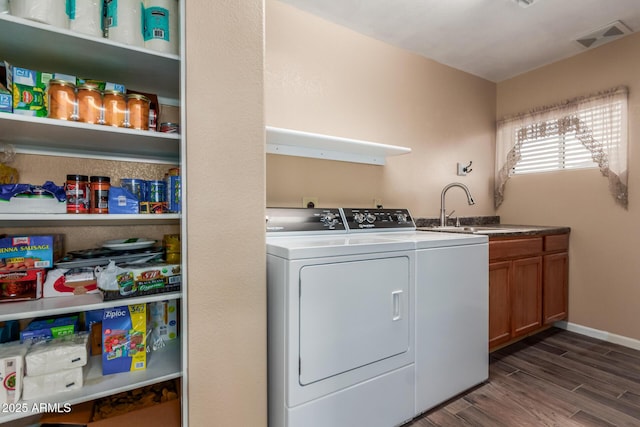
[
  {"x": 461, "y": 169},
  {"x": 309, "y": 202},
  {"x": 377, "y": 203}
]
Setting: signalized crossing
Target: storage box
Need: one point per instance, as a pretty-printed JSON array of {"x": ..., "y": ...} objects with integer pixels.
[
  {"x": 165, "y": 414},
  {"x": 32, "y": 251},
  {"x": 145, "y": 279},
  {"x": 21, "y": 285},
  {"x": 124, "y": 339},
  {"x": 50, "y": 328}
]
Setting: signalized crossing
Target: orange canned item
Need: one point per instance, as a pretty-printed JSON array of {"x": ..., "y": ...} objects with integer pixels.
[
  {"x": 62, "y": 100},
  {"x": 138, "y": 108},
  {"x": 114, "y": 107},
  {"x": 89, "y": 104}
]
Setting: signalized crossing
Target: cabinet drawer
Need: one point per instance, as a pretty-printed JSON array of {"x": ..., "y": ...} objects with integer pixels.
[
  {"x": 501, "y": 249},
  {"x": 556, "y": 242}
]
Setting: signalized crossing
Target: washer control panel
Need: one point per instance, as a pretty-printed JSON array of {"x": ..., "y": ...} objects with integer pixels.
[{"x": 363, "y": 219}]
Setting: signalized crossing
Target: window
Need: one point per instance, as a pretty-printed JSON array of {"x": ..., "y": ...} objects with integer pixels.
[
  {"x": 554, "y": 150},
  {"x": 583, "y": 132}
]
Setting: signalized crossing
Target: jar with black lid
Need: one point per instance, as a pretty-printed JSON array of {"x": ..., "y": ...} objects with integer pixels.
[{"x": 78, "y": 194}]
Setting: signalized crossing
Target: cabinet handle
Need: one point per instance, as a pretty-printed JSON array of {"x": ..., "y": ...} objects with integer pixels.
[{"x": 395, "y": 301}]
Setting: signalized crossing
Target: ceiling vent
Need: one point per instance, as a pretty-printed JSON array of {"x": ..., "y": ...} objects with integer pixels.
[
  {"x": 606, "y": 34},
  {"x": 524, "y": 3}
]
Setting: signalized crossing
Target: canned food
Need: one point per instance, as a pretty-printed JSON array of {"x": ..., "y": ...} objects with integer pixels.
[
  {"x": 169, "y": 127},
  {"x": 138, "y": 109},
  {"x": 114, "y": 107},
  {"x": 89, "y": 104},
  {"x": 156, "y": 191},
  {"x": 62, "y": 100}
]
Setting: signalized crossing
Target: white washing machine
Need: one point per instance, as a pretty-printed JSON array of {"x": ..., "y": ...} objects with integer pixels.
[
  {"x": 340, "y": 323},
  {"x": 369, "y": 319}
]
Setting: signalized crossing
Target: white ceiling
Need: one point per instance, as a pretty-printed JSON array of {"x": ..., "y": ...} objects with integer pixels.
[{"x": 493, "y": 39}]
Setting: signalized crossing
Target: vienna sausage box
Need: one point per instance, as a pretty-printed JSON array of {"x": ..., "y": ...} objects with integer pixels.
[
  {"x": 32, "y": 251},
  {"x": 124, "y": 339}
]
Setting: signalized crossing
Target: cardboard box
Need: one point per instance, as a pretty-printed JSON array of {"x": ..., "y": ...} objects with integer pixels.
[
  {"x": 50, "y": 328},
  {"x": 28, "y": 89},
  {"x": 124, "y": 339},
  {"x": 21, "y": 285},
  {"x": 31, "y": 251},
  {"x": 166, "y": 414},
  {"x": 6, "y": 102}
]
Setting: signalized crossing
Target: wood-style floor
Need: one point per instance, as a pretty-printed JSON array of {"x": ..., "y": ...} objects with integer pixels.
[{"x": 555, "y": 378}]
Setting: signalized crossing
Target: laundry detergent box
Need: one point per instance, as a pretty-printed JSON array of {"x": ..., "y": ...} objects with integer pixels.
[
  {"x": 124, "y": 336},
  {"x": 22, "y": 252}
]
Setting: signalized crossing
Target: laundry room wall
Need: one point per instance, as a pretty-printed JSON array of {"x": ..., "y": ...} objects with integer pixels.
[{"x": 323, "y": 78}]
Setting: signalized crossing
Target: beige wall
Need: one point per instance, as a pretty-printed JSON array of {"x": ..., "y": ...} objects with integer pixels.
[
  {"x": 604, "y": 268},
  {"x": 326, "y": 79},
  {"x": 225, "y": 213}
]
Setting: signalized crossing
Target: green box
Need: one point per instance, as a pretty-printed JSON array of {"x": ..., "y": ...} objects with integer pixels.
[{"x": 28, "y": 89}]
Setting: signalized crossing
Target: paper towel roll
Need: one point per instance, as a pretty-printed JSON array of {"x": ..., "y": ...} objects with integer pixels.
[
  {"x": 123, "y": 21},
  {"x": 85, "y": 16},
  {"x": 52, "y": 12},
  {"x": 161, "y": 26}
]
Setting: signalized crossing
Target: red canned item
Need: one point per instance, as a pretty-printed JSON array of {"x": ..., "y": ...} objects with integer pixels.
[
  {"x": 100, "y": 186},
  {"x": 78, "y": 194},
  {"x": 153, "y": 120},
  {"x": 169, "y": 127}
]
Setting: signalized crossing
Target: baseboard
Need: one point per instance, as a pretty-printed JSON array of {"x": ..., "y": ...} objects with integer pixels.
[{"x": 601, "y": 335}]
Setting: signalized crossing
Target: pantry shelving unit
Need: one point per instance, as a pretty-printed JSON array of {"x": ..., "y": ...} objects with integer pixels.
[{"x": 42, "y": 47}]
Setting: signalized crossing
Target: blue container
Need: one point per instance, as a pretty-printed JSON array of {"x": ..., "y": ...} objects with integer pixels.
[
  {"x": 135, "y": 186},
  {"x": 156, "y": 191}
]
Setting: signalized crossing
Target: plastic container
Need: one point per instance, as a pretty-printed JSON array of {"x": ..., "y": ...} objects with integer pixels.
[
  {"x": 135, "y": 186},
  {"x": 114, "y": 106},
  {"x": 89, "y": 104},
  {"x": 100, "y": 186},
  {"x": 138, "y": 109},
  {"x": 78, "y": 194},
  {"x": 61, "y": 100},
  {"x": 156, "y": 191}
]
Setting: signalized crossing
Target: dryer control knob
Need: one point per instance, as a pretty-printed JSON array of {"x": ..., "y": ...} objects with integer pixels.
[{"x": 402, "y": 218}]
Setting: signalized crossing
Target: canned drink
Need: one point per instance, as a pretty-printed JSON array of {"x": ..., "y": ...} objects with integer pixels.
[{"x": 156, "y": 191}]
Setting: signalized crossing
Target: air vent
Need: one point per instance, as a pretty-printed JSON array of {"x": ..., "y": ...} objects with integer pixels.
[
  {"x": 524, "y": 3},
  {"x": 604, "y": 35}
]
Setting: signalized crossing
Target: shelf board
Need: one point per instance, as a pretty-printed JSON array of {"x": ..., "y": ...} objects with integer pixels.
[
  {"x": 77, "y": 220},
  {"x": 164, "y": 364},
  {"x": 42, "y": 47},
  {"x": 61, "y": 305},
  {"x": 44, "y": 136},
  {"x": 304, "y": 144}
]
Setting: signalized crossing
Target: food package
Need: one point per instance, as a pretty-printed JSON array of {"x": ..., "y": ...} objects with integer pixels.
[
  {"x": 124, "y": 336},
  {"x": 85, "y": 16},
  {"x": 52, "y": 12},
  {"x": 27, "y": 198},
  {"x": 101, "y": 85},
  {"x": 163, "y": 316},
  {"x": 6, "y": 102},
  {"x": 44, "y": 329},
  {"x": 21, "y": 285},
  {"x": 37, "y": 386},
  {"x": 64, "y": 282},
  {"x": 49, "y": 356},
  {"x": 137, "y": 279},
  {"x": 174, "y": 193},
  {"x": 20, "y": 252},
  {"x": 28, "y": 90},
  {"x": 11, "y": 371}
]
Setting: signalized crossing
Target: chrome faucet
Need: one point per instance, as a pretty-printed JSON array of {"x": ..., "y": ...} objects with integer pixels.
[{"x": 443, "y": 212}]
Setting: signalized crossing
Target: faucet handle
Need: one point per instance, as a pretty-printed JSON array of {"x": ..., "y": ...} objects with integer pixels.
[{"x": 447, "y": 216}]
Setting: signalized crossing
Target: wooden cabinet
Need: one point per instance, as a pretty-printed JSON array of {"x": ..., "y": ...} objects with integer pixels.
[{"x": 528, "y": 280}]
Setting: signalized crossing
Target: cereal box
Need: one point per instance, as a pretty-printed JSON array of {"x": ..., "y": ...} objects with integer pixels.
[{"x": 124, "y": 336}]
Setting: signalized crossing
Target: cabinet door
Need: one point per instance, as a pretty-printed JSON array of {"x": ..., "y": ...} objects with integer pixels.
[
  {"x": 554, "y": 292},
  {"x": 499, "y": 303},
  {"x": 526, "y": 295}
]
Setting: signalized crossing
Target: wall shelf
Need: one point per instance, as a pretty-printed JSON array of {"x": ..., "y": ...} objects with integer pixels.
[{"x": 304, "y": 144}]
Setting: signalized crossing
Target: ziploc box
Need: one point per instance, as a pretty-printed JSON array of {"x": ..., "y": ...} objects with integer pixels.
[
  {"x": 32, "y": 251},
  {"x": 124, "y": 336},
  {"x": 28, "y": 89}
]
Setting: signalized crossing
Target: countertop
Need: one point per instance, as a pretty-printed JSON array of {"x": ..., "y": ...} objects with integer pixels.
[{"x": 490, "y": 226}]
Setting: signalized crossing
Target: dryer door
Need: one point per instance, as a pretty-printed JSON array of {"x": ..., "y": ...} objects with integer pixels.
[{"x": 352, "y": 314}]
